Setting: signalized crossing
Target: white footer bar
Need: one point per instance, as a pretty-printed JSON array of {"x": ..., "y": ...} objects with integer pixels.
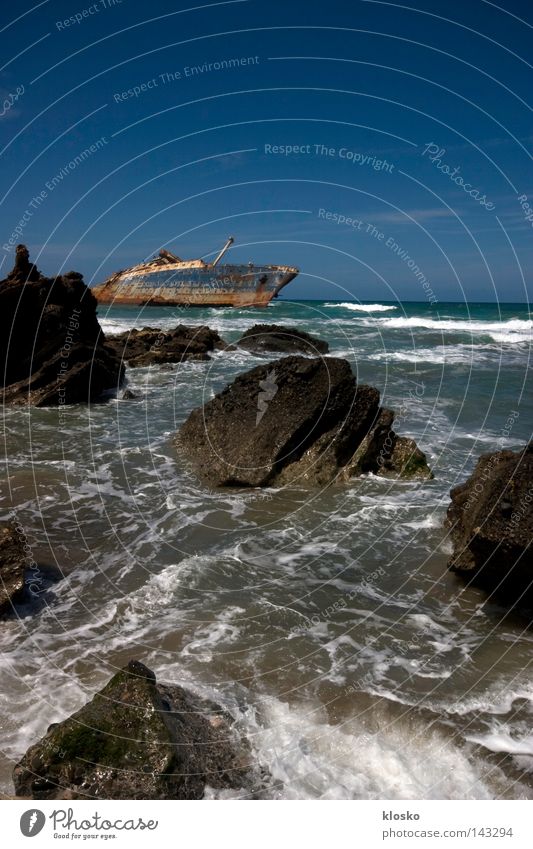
[{"x": 269, "y": 824}]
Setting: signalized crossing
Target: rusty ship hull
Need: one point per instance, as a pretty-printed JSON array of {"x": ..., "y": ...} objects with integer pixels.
[{"x": 169, "y": 281}]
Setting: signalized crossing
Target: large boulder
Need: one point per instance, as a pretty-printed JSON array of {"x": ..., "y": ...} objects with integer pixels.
[
  {"x": 151, "y": 346},
  {"x": 12, "y": 568},
  {"x": 52, "y": 349},
  {"x": 296, "y": 419},
  {"x": 491, "y": 525},
  {"x": 136, "y": 739},
  {"x": 274, "y": 338}
]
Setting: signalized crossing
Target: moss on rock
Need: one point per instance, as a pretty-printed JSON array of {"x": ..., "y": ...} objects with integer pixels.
[{"x": 135, "y": 740}]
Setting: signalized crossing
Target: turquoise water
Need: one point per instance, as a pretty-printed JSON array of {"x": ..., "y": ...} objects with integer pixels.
[{"x": 326, "y": 621}]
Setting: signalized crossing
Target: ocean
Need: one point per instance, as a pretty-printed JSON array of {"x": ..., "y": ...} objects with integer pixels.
[{"x": 325, "y": 621}]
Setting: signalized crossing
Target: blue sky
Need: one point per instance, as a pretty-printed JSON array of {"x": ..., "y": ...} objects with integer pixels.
[{"x": 142, "y": 125}]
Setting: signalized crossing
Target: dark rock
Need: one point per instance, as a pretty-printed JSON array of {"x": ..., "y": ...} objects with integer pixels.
[
  {"x": 274, "y": 338},
  {"x": 25, "y": 586},
  {"x": 296, "y": 419},
  {"x": 128, "y": 395},
  {"x": 136, "y": 739},
  {"x": 406, "y": 460},
  {"x": 23, "y": 270},
  {"x": 151, "y": 346},
  {"x": 491, "y": 525},
  {"x": 52, "y": 350},
  {"x": 12, "y": 568}
]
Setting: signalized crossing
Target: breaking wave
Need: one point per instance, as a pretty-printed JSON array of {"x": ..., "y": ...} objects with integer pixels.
[
  {"x": 349, "y": 305},
  {"x": 512, "y": 330}
]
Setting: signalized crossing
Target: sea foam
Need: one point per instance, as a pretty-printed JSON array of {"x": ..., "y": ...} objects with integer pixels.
[
  {"x": 349, "y": 305},
  {"x": 513, "y": 330}
]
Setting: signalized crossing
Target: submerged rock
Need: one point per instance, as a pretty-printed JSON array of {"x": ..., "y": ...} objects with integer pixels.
[
  {"x": 269, "y": 338},
  {"x": 151, "y": 346},
  {"x": 296, "y": 419},
  {"x": 136, "y": 739},
  {"x": 491, "y": 525},
  {"x": 128, "y": 395},
  {"x": 25, "y": 585},
  {"x": 12, "y": 568},
  {"x": 52, "y": 349}
]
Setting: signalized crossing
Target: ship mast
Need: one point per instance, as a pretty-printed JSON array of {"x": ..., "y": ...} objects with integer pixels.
[{"x": 223, "y": 251}]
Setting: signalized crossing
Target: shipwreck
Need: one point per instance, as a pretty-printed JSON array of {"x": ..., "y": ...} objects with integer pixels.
[{"x": 168, "y": 280}]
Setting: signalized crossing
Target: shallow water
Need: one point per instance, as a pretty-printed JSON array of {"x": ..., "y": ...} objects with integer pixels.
[{"x": 325, "y": 621}]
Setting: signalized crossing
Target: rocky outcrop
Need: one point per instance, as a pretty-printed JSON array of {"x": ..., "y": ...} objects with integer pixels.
[
  {"x": 274, "y": 338},
  {"x": 136, "y": 739},
  {"x": 491, "y": 525},
  {"x": 52, "y": 350},
  {"x": 12, "y": 568},
  {"x": 296, "y": 419},
  {"x": 151, "y": 346}
]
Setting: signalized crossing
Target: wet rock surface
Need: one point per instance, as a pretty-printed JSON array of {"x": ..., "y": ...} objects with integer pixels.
[
  {"x": 12, "y": 568},
  {"x": 136, "y": 739},
  {"x": 151, "y": 346},
  {"x": 491, "y": 525},
  {"x": 273, "y": 338},
  {"x": 296, "y": 419},
  {"x": 52, "y": 349}
]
